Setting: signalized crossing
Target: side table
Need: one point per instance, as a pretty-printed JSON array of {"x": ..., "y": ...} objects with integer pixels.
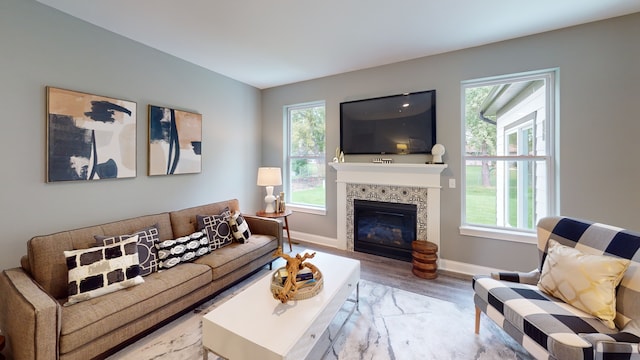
[{"x": 277, "y": 215}]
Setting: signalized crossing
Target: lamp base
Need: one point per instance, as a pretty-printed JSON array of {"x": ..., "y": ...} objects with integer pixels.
[
  {"x": 270, "y": 208},
  {"x": 269, "y": 200}
]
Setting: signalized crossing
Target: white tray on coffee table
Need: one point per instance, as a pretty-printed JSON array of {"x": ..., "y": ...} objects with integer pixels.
[{"x": 253, "y": 325}]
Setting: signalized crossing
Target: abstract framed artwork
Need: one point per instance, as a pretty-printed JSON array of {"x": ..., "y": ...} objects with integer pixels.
[
  {"x": 89, "y": 137},
  {"x": 175, "y": 139}
]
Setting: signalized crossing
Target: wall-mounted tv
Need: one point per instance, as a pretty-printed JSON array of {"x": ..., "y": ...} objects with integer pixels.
[{"x": 396, "y": 124}]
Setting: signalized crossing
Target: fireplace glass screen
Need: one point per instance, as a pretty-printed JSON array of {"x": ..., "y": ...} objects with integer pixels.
[{"x": 384, "y": 228}]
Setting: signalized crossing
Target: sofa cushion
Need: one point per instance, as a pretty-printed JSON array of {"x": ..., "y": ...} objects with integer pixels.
[
  {"x": 184, "y": 221},
  {"x": 239, "y": 228},
  {"x": 217, "y": 229},
  {"x": 89, "y": 320},
  {"x": 183, "y": 249},
  {"x": 147, "y": 253},
  {"x": 101, "y": 270},
  {"x": 585, "y": 281},
  {"x": 237, "y": 255}
]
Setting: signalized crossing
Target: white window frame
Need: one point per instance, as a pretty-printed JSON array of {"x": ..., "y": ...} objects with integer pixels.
[
  {"x": 528, "y": 122},
  {"x": 550, "y": 131},
  {"x": 316, "y": 210}
]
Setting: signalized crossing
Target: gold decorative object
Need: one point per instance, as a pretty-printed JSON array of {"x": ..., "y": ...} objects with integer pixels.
[
  {"x": 281, "y": 204},
  {"x": 284, "y": 285}
]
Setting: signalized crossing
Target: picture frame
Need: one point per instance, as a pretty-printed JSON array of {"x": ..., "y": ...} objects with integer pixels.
[
  {"x": 175, "y": 141},
  {"x": 89, "y": 137}
]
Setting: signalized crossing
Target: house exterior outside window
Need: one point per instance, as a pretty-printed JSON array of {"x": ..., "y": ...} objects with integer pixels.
[
  {"x": 509, "y": 165},
  {"x": 304, "y": 172}
]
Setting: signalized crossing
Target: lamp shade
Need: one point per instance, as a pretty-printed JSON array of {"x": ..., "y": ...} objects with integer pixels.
[{"x": 269, "y": 176}]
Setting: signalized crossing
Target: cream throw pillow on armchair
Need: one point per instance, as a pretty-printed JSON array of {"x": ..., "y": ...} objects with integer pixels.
[{"x": 587, "y": 282}]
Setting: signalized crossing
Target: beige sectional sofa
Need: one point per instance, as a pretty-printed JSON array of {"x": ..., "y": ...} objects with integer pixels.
[{"x": 38, "y": 326}]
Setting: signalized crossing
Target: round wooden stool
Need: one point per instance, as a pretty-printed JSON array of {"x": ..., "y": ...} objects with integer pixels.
[{"x": 425, "y": 257}]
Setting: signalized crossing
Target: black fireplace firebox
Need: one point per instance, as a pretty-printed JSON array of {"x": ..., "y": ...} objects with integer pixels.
[{"x": 384, "y": 228}]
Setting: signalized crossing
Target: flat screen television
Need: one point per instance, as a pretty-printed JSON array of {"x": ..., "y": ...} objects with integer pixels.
[{"x": 396, "y": 124}]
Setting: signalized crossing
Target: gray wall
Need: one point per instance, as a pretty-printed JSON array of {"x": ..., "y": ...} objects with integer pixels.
[
  {"x": 40, "y": 46},
  {"x": 599, "y": 77},
  {"x": 599, "y": 126}
]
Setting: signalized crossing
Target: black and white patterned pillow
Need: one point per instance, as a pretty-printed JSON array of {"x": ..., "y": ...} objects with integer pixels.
[
  {"x": 217, "y": 229},
  {"x": 147, "y": 254},
  {"x": 239, "y": 228},
  {"x": 101, "y": 270},
  {"x": 181, "y": 250}
]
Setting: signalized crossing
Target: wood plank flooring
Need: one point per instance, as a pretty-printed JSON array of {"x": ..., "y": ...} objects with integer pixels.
[{"x": 452, "y": 287}]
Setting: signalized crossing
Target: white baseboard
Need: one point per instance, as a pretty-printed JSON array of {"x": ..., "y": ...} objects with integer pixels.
[
  {"x": 310, "y": 238},
  {"x": 443, "y": 264},
  {"x": 464, "y": 268}
]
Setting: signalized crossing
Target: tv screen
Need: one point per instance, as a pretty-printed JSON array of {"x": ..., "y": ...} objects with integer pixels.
[{"x": 396, "y": 124}]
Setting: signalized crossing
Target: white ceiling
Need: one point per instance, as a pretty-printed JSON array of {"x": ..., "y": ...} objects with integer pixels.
[{"x": 270, "y": 43}]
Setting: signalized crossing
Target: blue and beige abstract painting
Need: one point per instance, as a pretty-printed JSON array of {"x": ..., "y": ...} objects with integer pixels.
[
  {"x": 175, "y": 139},
  {"x": 89, "y": 137}
]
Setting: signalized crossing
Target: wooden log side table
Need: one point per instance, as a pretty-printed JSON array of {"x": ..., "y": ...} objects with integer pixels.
[
  {"x": 425, "y": 257},
  {"x": 277, "y": 215}
]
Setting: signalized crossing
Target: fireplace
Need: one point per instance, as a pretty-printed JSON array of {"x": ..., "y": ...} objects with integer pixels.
[
  {"x": 384, "y": 228},
  {"x": 417, "y": 184}
]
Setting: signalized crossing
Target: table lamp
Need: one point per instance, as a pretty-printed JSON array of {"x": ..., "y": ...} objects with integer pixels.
[{"x": 269, "y": 177}]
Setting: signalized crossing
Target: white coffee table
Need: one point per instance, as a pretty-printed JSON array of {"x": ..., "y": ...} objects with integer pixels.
[{"x": 253, "y": 325}]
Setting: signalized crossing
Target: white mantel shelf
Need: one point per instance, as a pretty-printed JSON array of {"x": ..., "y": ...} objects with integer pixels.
[
  {"x": 393, "y": 167},
  {"x": 425, "y": 176}
]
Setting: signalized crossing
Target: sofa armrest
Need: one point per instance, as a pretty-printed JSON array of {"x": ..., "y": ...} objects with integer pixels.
[
  {"x": 530, "y": 278},
  {"x": 29, "y": 317},
  {"x": 265, "y": 226}
]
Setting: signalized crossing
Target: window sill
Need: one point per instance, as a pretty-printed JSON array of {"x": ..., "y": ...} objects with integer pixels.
[
  {"x": 307, "y": 209},
  {"x": 499, "y": 234}
]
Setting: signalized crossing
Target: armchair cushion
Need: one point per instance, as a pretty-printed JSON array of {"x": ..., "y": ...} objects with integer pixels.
[
  {"x": 585, "y": 281},
  {"x": 538, "y": 321},
  {"x": 599, "y": 239}
]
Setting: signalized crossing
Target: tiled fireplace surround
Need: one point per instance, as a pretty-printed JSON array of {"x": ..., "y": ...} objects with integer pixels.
[{"x": 396, "y": 183}]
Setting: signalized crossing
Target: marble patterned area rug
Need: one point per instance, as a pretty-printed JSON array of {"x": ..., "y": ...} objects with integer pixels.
[{"x": 389, "y": 324}]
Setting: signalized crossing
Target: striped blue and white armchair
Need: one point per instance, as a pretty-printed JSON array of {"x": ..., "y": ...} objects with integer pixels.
[{"x": 551, "y": 328}]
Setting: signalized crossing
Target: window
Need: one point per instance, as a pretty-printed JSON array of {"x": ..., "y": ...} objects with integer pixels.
[
  {"x": 509, "y": 147},
  {"x": 305, "y": 162}
]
